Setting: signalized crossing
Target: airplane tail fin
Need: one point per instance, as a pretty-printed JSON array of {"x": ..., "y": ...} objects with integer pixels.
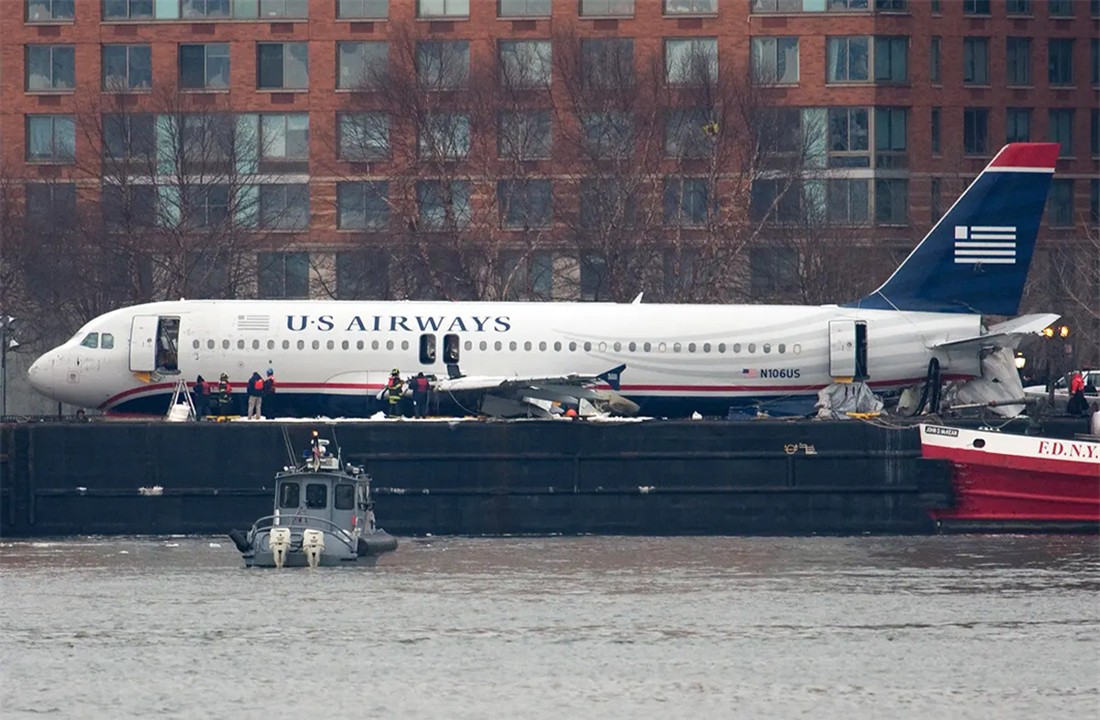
[{"x": 976, "y": 258}]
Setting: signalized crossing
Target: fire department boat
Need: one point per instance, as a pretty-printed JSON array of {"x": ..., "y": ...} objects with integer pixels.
[
  {"x": 1016, "y": 483},
  {"x": 323, "y": 515}
]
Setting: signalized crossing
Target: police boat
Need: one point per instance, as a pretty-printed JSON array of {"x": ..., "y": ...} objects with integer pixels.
[{"x": 323, "y": 515}]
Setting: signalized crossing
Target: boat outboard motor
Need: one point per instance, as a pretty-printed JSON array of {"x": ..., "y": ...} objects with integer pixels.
[
  {"x": 280, "y": 545},
  {"x": 240, "y": 539},
  {"x": 313, "y": 544}
]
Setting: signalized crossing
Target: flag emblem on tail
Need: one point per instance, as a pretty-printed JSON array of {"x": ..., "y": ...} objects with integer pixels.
[{"x": 985, "y": 244}]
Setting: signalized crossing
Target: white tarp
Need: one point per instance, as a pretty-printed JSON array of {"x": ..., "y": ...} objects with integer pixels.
[{"x": 838, "y": 399}]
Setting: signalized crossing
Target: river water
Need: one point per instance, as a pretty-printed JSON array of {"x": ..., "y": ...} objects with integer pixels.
[{"x": 561, "y": 628}]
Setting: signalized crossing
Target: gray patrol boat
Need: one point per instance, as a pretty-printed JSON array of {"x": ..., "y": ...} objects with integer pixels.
[{"x": 323, "y": 515}]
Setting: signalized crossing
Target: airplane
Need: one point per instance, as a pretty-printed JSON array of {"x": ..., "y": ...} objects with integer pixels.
[{"x": 333, "y": 357}]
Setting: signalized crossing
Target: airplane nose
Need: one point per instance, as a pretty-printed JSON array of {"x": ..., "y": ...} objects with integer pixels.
[{"x": 40, "y": 374}]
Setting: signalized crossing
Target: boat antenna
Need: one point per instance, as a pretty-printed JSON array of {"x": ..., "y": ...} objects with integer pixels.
[
  {"x": 289, "y": 447},
  {"x": 339, "y": 457}
]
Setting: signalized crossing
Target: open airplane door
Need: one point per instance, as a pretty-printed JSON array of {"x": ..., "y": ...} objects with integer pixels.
[
  {"x": 143, "y": 343},
  {"x": 848, "y": 349}
]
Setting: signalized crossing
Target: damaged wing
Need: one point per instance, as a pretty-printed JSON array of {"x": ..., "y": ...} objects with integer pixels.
[
  {"x": 1002, "y": 335},
  {"x": 522, "y": 395}
]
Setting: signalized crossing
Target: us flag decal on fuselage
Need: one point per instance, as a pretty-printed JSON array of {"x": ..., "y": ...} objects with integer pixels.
[{"x": 985, "y": 244}]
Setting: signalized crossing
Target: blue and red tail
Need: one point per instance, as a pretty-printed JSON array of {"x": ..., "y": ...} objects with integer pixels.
[{"x": 977, "y": 256}]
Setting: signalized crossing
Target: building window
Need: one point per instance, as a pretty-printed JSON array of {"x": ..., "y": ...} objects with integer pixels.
[
  {"x": 443, "y": 65},
  {"x": 50, "y": 68},
  {"x": 284, "y": 142},
  {"x": 445, "y": 136},
  {"x": 891, "y": 5},
  {"x": 128, "y": 207},
  {"x": 128, "y": 137},
  {"x": 976, "y": 61},
  {"x": 936, "y": 199},
  {"x": 1060, "y": 58},
  {"x": 524, "y": 134},
  {"x": 1060, "y": 8},
  {"x": 691, "y": 7},
  {"x": 975, "y": 7},
  {"x": 50, "y": 206},
  {"x": 443, "y": 205},
  {"x": 363, "y": 205},
  {"x": 1060, "y": 130},
  {"x": 686, "y": 132},
  {"x": 892, "y": 202},
  {"x": 1018, "y": 60},
  {"x": 363, "y": 65},
  {"x": 524, "y": 204},
  {"x": 49, "y": 10},
  {"x": 364, "y": 136},
  {"x": 773, "y": 270},
  {"x": 976, "y": 131},
  {"x": 284, "y": 207},
  {"x": 593, "y": 275},
  {"x": 1018, "y": 125},
  {"x": 204, "y": 206},
  {"x": 936, "y": 7},
  {"x": 1094, "y": 132},
  {"x": 1094, "y": 49},
  {"x": 282, "y": 66},
  {"x": 51, "y": 139},
  {"x": 691, "y": 62},
  {"x": 848, "y": 59},
  {"x": 204, "y": 8},
  {"x": 127, "y": 9},
  {"x": 283, "y": 275},
  {"x": 607, "y": 134},
  {"x": 363, "y": 9},
  {"x": 608, "y": 63},
  {"x": 846, "y": 201},
  {"x": 849, "y": 137},
  {"x": 685, "y": 201},
  {"x": 127, "y": 67},
  {"x": 282, "y": 8},
  {"x": 523, "y": 8},
  {"x": 934, "y": 60},
  {"x": 784, "y": 6},
  {"x": 442, "y": 8},
  {"x": 204, "y": 67},
  {"x": 891, "y": 59},
  {"x": 937, "y": 119},
  {"x": 604, "y": 204},
  {"x": 205, "y": 141},
  {"x": 891, "y": 136},
  {"x": 1018, "y": 7},
  {"x": 362, "y": 275},
  {"x": 607, "y": 8},
  {"x": 1060, "y": 204},
  {"x": 775, "y": 60},
  {"x": 525, "y": 64}
]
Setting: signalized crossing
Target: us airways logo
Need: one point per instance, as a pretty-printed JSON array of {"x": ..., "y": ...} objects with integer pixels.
[
  {"x": 400, "y": 323},
  {"x": 985, "y": 244}
]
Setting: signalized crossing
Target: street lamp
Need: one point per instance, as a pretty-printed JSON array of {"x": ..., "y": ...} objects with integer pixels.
[{"x": 7, "y": 342}]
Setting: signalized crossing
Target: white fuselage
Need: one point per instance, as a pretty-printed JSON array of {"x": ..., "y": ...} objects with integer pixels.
[{"x": 717, "y": 352}]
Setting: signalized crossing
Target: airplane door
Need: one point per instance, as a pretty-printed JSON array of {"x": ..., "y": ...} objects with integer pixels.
[
  {"x": 848, "y": 349},
  {"x": 143, "y": 343}
]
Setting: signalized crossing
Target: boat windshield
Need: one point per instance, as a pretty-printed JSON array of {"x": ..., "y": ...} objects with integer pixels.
[
  {"x": 289, "y": 495},
  {"x": 344, "y": 497},
  {"x": 316, "y": 496}
]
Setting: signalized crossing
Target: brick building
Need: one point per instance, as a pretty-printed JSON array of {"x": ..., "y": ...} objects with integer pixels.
[{"x": 314, "y": 163}]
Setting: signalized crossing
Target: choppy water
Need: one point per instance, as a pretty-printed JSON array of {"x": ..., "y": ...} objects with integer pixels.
[{"x": 980, "y": 627}]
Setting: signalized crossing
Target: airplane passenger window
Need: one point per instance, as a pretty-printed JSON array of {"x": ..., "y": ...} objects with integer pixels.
[
  {"x": 469, "y": 345},
  {"x": 676, "y": 347},
  {"x": 209, "y": 344},
  {"x": 240, "y": 344},
  {"x": 632, "y": 346},
  {"x": 572, "y": 347},
  {"x": 602, "y": 347},
  {"x": 225, "y": 344},
  {"x": 618, "y": 346},
  {"x": 196, "y": 344},
  {"x": 483, "y": 345},
  {"x": 736, "y": 347},
  {"x": 498, "y": 345},
  {"x": 289, "y": 495},
  {"x": 255, "y": 344},
  {"x": 647, "y": 347},
  {"x": 767, "y": 347},
  {"x": 557, "y": 347},
  {"x": 587, "y": 347},
  {"x": 389, "y": 344},
  {"x": 512, "y": 346},
  {"x": 270, "y": 344},
  {"x": 706, "y": 347},
  {"x": 345, "y": 345},
  {"x": 721, "y": 347},
  {"x": 91, "y": 340},
  {"x": 691, "y": 347},
  {"x": 316, "y": 344},
  {"x": 331, "y": 345},
  {"x": 797, "y": 348},
  {"x": 782, "y": 348},
  {"x": 527, "y": 346},
  {"x": 316, "y": 496},
  {"x": 107, "y": 341},
  {"x": 360, "y": 345},
  {"x": 542, "y": 346},
  {"x": 301, "y": 344},
  {"x": 752, "y": 347},
  {"x": 661, "y": 347},
  {"x": 374, "y": 345}
]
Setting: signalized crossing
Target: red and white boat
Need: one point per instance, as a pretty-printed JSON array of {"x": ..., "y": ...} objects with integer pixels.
[{"x": 1007, "y": 482}]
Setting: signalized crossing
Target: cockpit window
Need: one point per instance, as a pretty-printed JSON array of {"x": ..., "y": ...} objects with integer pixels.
[
  {"x": 91, "y": 340},
  {"x": 107, "y": 342}
]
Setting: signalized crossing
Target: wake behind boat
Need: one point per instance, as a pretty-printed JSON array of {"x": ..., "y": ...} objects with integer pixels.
[
  {"x": 323, "y": 515},
  {"x": 1016, "y": 483}
]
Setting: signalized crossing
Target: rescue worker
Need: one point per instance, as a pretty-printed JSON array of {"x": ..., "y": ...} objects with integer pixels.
[
  {"x": 1077, "y": 404},
  {"x": 201, "y": 392},
  {"x": 269, "y": 385},
  {"x": 255, "y": 391},
  {"x": 395, "y": 389},
  {"x": 225, "y": 395},
  {"x": 420, "y": 386}
]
